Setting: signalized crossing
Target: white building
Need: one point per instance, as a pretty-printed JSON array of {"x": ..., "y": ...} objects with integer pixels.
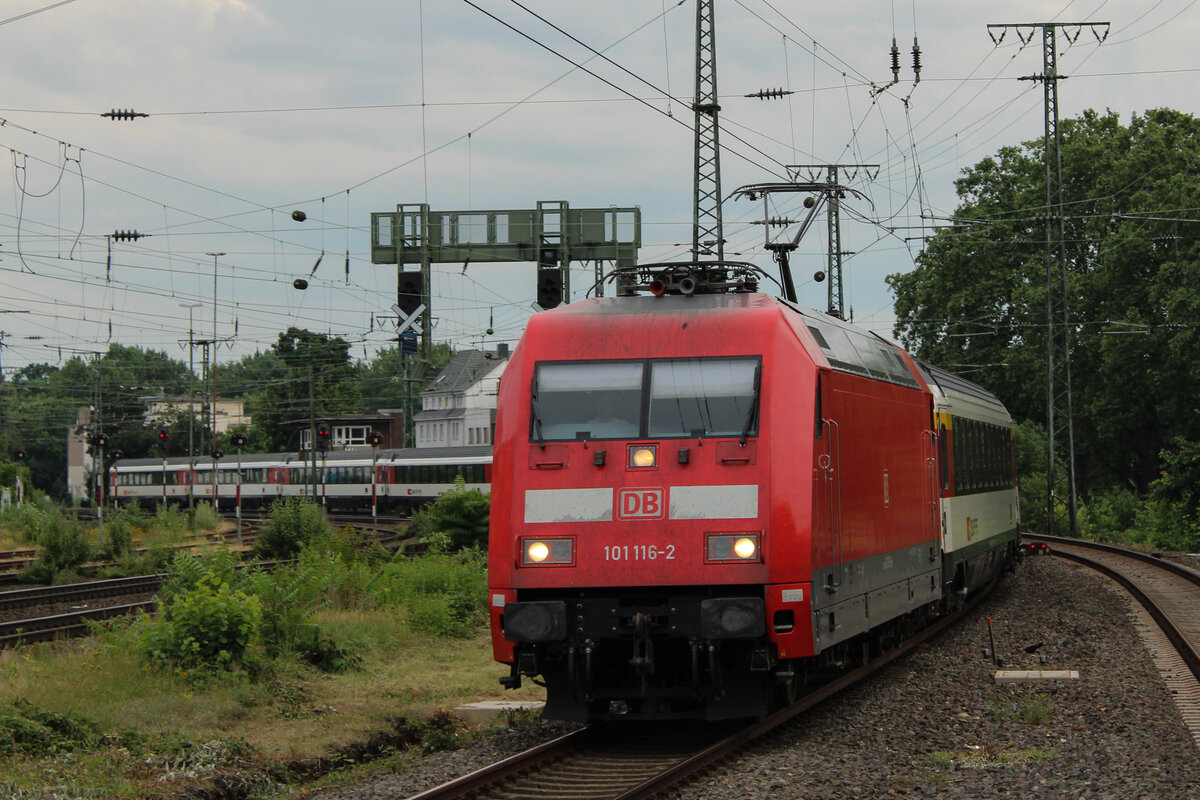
[{"x": 458, "y": 408}]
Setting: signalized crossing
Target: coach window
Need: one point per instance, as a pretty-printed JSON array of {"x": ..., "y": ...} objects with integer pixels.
[
  {"x": 599, "y": 400},
  {"x": 703, "y": 397}
]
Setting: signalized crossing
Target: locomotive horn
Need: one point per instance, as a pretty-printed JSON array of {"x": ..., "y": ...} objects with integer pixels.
[
  {"x": 657, "y": 287},
  {"x": 688, "y": 286}
]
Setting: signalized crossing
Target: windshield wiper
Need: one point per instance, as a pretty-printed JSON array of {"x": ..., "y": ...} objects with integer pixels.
[
  {"x": 753, "y": 412},
  {"x": 537, "y": 415}
]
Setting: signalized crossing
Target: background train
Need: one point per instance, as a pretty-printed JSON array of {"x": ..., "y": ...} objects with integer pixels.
[
  {"x": 403, "y": 480},
  {"x": 704, "y": 495}
]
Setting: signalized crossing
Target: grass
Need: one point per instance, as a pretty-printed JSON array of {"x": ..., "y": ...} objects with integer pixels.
[
  {"x": 159, "y": 730},
  {"x": 1029, "y": 706},
  {"x": 990, "y": 755},
  {"x": 99, "y": 718}
]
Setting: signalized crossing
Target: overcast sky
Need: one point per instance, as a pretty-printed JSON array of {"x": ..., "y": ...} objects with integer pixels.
[{"x": 257, "y": 109}]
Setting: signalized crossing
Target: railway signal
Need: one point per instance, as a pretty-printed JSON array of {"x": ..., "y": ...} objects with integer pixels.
[
  {"x": 374, "y": 438},
  {"x": 239, "y": 441},
  {"x": 549, "y": 287},
  {"x": 410, "y": 293}
]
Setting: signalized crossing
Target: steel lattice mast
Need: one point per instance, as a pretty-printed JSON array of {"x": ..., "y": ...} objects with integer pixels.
[
  {"x": 1060, "y": 429},
  {"x": 707, "y": 235}
]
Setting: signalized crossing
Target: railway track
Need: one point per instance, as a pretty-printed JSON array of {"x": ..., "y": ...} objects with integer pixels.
[
  {"x": 632, "y": 762},
  {"x": 1170, "y": 595},
  {"x": 90, "y": 602}
]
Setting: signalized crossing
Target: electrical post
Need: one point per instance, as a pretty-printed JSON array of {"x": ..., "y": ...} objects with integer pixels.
[
  {"x": 707, "y": 229},
  {"x": 212, "y": 403},
  {"x": 1059, "y": 414},
  {"x": 191, "y": 397},
  {"x": 312, "y": 439}
]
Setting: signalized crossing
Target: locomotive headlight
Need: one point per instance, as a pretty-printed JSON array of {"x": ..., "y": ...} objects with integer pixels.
[
  {"x": 725, "y": 547},
  {"x": 643, "y": 455},
  {"x": 547, "y": 552},
  {"x": 745, "y": 547}
]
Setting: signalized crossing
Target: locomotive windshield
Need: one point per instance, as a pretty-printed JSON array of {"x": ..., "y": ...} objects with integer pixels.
[{"x": 689, "y": 397}]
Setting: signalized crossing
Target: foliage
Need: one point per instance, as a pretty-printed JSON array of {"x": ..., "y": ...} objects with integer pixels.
[
  {"x": 976, "y": 301},
  {"x": 208, "y": 625},
  {"x": 461, "y": 515},
  {"x": 28, "y": 520},
  {"x": 186, "y": 572},
  {"x": 204, "y": 517},
  {"x": 64, "y": 546},
  {"x": 118, "y": 538},
  {"x": 11, "y": 470},
  {"x": 311, "y": 372},
  {"x": 444, "y": 594},
  {"x": 295, "y": 521},
  {"x": 29, "y": 731}
]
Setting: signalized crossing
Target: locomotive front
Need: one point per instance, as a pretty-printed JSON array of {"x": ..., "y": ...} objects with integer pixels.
[{"x": 631, "y": 537}]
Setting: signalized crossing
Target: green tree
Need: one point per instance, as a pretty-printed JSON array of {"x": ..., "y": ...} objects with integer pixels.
[
  {"x": 976, "y": 301},
  {"x": 383, "y": 377},
  {"x": 313, "y": 365}
]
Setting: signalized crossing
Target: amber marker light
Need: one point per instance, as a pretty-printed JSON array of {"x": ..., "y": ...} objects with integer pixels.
[{"x": 643, "y": 456}]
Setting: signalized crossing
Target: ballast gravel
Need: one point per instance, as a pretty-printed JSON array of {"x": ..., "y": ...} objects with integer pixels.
[{"x": 935, "y": 724}]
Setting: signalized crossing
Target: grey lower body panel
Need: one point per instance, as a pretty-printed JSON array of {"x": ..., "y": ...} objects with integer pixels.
[{"x": 856, "y": 596}]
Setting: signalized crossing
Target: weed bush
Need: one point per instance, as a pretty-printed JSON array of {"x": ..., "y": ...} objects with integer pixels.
[
  {"x": 169, "y": 519},
  {"x": 27, "y": 521},
  {"x": 445, "y": 594},
  {"x": 187, "y": 571},
  {"x": 294, "y": 523},
  {"x": 64, "y": 546},
  {"x": 208, "y": 625},
  {"x": 118, "y": 537},
  {"x": 461, "y": 516},
  {"x": 440, "y": 617},
  {"x": 323, "y": 651},
  {"x": 204, "y": 517},
  {"x": 26, "y": 730}
]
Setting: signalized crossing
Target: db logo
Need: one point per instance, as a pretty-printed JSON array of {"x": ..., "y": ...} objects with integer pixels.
[{"x": 641, "y": 504}]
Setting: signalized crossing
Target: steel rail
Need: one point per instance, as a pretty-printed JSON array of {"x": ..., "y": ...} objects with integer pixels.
[
  {"x": 1187, "y": 649},
  {"x": 496, "y": 776},
  {"x": 60, "y": 626},
  {"x": 23, "y": 598}
]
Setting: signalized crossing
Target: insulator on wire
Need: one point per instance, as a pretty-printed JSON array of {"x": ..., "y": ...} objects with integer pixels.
[
  {"x": 123, "y": 114},
  {"x": 127, "y": 236},
  {"x": 770, "y": 94},
  {"x": 916, "y": 53},
  {"x": 895, "y": 61}
]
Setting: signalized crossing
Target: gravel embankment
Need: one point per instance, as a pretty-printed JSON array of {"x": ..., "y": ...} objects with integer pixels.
[{"x": 935, "y": 724}]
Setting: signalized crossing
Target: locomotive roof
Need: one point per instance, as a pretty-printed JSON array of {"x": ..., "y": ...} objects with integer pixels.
[{"x": 844, "y": 346}]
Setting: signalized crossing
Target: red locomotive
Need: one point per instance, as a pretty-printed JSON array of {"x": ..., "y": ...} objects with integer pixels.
[{"x": 702, "y": 494}]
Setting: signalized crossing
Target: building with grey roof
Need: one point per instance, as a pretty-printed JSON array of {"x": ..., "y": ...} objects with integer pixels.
[{"x": 458, "y": 408}]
